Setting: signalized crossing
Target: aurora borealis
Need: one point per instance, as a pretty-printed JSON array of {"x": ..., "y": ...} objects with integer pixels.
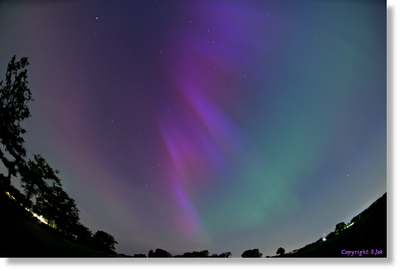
[{"x": 218, "y": 125}]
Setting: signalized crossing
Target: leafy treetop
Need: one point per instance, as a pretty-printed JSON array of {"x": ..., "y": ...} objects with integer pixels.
[{"x": 14, "y": 96}]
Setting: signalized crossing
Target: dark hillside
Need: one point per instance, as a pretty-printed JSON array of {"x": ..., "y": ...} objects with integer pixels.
[
  {"x": 368, "y": 233},
  {"x": 22, "y": 235}
]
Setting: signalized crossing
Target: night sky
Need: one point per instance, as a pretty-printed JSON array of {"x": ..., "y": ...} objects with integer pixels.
[{"x": 210, "y": 124}]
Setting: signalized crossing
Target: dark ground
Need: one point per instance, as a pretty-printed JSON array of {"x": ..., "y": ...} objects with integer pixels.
[{"x": 22, "y": 235}]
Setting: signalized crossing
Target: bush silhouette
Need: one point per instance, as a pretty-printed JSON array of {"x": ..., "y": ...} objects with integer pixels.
[
  {"x": 340, "y": 227},
  {"x": 251, "y": 253},
  {"x": 159, "y": 253},
  {"x": 280, "y": 251}
]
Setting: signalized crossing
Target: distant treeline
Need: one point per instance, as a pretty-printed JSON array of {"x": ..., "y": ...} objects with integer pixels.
[
  {"x": 255, "y": 253},
  {"x": 160, "y": 253}
]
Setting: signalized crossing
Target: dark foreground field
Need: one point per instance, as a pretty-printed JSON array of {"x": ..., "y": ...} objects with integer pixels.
[{"x": 22, "y": 235}]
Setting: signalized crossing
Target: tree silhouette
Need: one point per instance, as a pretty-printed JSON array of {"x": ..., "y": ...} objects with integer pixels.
[
  {"x": 159, "y": 253},
  {"x": 36, "y": 177},
  {"x": 251, "y": 253},
  {"x": 280, "y": 251},
  {"x": 68, "y": 213},
  {"x": 222, "y": 255},
  {"x": 82, "y": 234},
  {"x": 59, "y": 209},
  {"x": 104, "y": 242},
  {"x": 14, "y": 96},
  {"x": 39, "y": 180},
  {"x": 340, "y": 227}
]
